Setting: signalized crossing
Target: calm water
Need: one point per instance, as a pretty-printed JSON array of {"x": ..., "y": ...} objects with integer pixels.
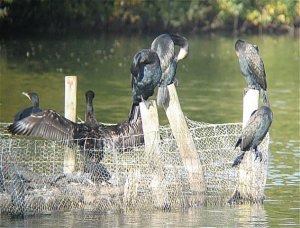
[{"x": 210, "y": 90}]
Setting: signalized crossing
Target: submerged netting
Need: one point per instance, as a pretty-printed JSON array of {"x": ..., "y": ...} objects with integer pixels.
[{"x": 33, "y": 178}]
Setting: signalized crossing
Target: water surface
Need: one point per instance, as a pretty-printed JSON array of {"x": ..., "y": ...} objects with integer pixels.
[{"x": 210, "y": 90}]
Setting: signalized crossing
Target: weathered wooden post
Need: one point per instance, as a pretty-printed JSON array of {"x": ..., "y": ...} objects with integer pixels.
[
  {"x": 152, "y": 138},
  {"x": 150, "y": 124},
  {"x": 70, "y": 113},
  {"x": 186, "y": 146},
  {"x": 250, "y": 103},
  {"x": 252, "y": 173}
]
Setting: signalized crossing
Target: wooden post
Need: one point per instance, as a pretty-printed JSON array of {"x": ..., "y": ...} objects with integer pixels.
[
  {"x": 70, "y": 97},
  {"x": 252, "y": 173},
  {"x": 186, "y": 146},
  {"x": 70, "y": 113},
  {"x": 152, "y": 138},
  {"x": 250, "y": 103},
  {"x": 150, "y": 128}
]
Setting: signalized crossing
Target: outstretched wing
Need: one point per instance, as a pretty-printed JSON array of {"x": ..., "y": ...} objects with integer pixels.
[{"x": 47, "y": 124}]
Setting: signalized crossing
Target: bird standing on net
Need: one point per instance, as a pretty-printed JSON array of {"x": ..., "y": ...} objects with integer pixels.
[
  {"x": 91, "y": 136},
  {"x": 145, "y": 75},
  {"x": 254, "y": 132},
  {"x": 34, "y": 98},
  {"x": 164, "y": 46},
  {"x": 51, "y": 125},
  {"x": 252, "y": 67}
]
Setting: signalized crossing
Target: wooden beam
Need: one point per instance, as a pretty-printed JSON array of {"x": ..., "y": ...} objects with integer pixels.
[
  {"x": 250, "y": 103},
  {"x": 152, "y": 151},
  {"x": 252, "y": 173},
  {"x": 70, "y": 113},
  {"x": 186, "y": 146},
  {"x": 70, "y": 97}
]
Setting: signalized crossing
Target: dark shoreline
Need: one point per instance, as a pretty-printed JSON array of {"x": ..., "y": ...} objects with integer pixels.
[{"x": 81, "y": 32}]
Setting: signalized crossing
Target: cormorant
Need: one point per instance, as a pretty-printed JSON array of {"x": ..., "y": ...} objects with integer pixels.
[
  {"x": 252, "y": 67},
  {"x": 33, "y": 97},
  {"x": 254, "y": 133},
  {"x": 90, "y": 118},
  {"x": 125, "y": 134},
  {"x": 164, "y": 46},
  {"x": 91, "y": 136},
  {"x": 145, "y": 75},
  {"x": 49, "y": 124}
]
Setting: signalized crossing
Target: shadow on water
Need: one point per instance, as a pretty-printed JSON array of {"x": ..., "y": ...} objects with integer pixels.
[{"x": 210, "y": 90}]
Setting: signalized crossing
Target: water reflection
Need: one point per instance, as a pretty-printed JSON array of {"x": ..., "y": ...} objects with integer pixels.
[
  {"x": 210, "y": 90},
  {"x": 239, "y": 216}
]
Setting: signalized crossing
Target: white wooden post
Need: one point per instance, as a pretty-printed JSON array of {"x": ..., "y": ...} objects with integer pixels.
[
  {"x": 250, "y": 103},
  {"x": 152, "y": 138},
  {"x": 70, "y": 97},
  {"x": 186, "y": 146},
  {"x": 150, "y": 128},
  {"x": 70, "y": 113},
  {"x": 252, "y": 173}
]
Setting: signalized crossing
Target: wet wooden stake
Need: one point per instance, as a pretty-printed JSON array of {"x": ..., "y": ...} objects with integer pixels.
[
  {"x": 252, "y": 173},
  {"x": 70, "y": 97},
  {"x": 152, "y": 139},
  {"x": 70, "y": 113},
  {"x": 250, "y": 103},
  {"x": 186, "y": 146}
]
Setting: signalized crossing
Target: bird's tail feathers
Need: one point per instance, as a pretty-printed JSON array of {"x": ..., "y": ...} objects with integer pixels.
[
  {"x": 134, "y": 113},
  {"x": 162, "y": 95},
  {"x": 238, "y": 142},
  {"x": 265, "y": 98},
  {"x": 238, "y": 159}
]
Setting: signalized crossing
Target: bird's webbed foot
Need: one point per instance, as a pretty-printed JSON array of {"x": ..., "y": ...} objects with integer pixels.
[
  {"x": 258, "y": 154},
  {"x": 238, "y": 159}
]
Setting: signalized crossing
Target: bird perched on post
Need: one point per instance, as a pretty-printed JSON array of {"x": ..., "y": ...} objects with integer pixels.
[
  {"x": 252, "y": 67},
  {"x": 145, "y": 75},
  {"x": 254, "y": 133},
  {"x": 164, "y": 46},
  {"x": 34, "y": 98}
]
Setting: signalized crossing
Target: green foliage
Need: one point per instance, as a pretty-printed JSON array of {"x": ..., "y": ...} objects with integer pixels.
[{"x": 141, "y": 15}]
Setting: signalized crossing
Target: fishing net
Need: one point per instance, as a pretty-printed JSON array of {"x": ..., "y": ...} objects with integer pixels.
[{"x": 33, "y": 177}]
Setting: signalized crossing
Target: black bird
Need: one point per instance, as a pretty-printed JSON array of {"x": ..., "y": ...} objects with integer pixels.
[
  {"x": 254, "y": 133},
  {"x": 92, "y": 137},
  {"x": 90, "y": 118},
  {"x": 164, "y": 46},
  {"x": 252, "y": 67},
  {"x": 49, "y": 124},
  {"x": 34, "y": 98},
  {"x": 145, "y": 76},
  {"x": 126, "y": 134}
]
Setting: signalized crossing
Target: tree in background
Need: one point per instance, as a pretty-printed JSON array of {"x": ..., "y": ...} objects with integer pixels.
[{"x": 149, "y": 16}]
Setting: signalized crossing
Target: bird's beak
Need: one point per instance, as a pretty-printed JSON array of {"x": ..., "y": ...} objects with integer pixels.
[{"x": 26, "y": 94}]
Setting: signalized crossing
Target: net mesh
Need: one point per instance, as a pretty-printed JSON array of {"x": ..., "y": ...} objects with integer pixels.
[{"x": 33, "y": 177}]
